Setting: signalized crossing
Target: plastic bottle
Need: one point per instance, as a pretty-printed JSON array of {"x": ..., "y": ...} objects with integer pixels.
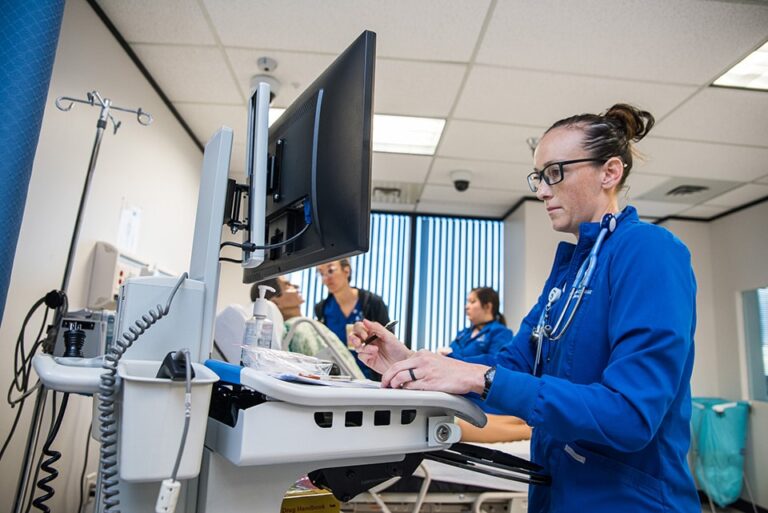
[{"x": 258, "y": 329}]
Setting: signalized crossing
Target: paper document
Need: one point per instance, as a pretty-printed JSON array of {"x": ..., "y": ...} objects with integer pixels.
[{"x": 327, "y": 381}]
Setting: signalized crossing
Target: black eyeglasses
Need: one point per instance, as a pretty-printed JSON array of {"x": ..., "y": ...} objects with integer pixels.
[{"x": 554, "y": 172}]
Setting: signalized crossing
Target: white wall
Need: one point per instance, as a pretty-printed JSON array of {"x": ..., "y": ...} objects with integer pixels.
[
  {"x": 728, "y": 257},
  {"x": 706, "y": 370},
  {"x": 529, "y": 248},
  {"x": 739, "y": 251},
  {"x": 155, "y": 168}
]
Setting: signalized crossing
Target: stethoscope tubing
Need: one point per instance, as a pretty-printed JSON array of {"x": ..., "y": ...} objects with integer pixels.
[{"x": 580, "y": 284}]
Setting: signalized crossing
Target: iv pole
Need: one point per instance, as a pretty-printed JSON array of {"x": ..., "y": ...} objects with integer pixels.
[
  {"x": 65, "y": 103},
  {"x": 144, "y": 118}
]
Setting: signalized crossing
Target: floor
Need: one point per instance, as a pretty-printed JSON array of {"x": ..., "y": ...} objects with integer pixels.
[{"x": 706, "y": 509}]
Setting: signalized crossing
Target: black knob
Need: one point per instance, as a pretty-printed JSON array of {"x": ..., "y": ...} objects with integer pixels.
[{"x": 74, "y": 339}]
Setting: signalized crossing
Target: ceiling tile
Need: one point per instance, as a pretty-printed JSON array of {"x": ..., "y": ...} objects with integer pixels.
[
  {"x": 487, "y": 175},
  {"x": 648, "y": 208},
  {"x": 638, "y": 184},
  {"x": 295, "y": 70},
  {"x": 740, "y": 196},
  {"x": 395, "y": 193},
  {"x": 692, "y": 191},
  {"x": 400, "y": 168},
  {"x": 480, "y": 201},
  {"x": 154, "y": 21},
  {"x": 541, "y": 98},
  {"x": 461, "y": 209},
  {"x": 683, "y": 41},
  {"x": 402, "y": 87},
  {"x": 487, "y": 141},
  {"x": 700, "y": 160},
  {"x": 190, "y": 73},
  {"x": 718, "y": 114},
  {"x": 703, "y": 211},
  {"x": 445, "y": 30},
  {"x": 205, "y": 119},
  {"x": 417, "y": 88}
]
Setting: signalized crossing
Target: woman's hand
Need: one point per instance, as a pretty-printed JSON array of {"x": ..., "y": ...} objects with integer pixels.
[
  {"x": 382, "y": 352},
  {"x": 426, "y": 370}
]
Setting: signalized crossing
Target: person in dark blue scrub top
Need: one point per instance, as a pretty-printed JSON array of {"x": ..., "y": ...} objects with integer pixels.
[
  {"x": 346, "y": 305},
  {"x": 601, "y": 365},
  {"x": 488, "y": 331}
]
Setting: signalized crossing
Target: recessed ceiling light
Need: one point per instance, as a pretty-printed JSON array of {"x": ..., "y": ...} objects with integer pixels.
[
  {"x": 397, "y": 134},
  {"x": 750, "y": 73},
  {"x": 403, "y": 134}
]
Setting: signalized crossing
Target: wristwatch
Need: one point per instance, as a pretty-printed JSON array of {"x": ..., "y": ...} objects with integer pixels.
[{"x": 489, "y": 375}]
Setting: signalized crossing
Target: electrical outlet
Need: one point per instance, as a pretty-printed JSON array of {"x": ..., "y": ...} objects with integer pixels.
[{"x": 90, "y": 484}]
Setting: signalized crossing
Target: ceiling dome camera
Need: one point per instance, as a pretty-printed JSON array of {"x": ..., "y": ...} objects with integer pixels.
[{"x": 461, "y": 179}]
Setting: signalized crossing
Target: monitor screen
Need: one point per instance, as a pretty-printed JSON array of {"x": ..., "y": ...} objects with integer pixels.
[{"x": 319, "y": 168}]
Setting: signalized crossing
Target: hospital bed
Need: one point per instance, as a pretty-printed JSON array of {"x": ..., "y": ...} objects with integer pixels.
[{"x": 445, "y": 488}]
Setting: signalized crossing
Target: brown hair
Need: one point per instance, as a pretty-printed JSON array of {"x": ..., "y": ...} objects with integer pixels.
[
  {"x": 487, "y": 295},
  {"x": 344, "y": 263},
  {"x": 612, "y": 133}
]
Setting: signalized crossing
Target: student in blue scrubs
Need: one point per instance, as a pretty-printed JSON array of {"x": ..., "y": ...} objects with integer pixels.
[
  {"x": 610, "y": 400},
  {"x": 346, "y": 305},
  {"x": 488, "y": 330}
]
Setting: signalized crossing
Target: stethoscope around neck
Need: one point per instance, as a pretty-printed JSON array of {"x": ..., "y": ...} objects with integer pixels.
[{"x": 580, "y": 284}]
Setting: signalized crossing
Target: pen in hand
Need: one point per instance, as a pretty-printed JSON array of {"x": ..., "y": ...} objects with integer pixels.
[{"x": 389, "y": 326}]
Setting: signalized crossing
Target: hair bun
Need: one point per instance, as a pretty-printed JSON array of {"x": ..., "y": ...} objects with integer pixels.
[{"x": 636, "y": 123}]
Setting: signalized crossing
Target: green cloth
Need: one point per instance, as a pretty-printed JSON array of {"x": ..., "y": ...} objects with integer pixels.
[{"x": 306, "y": 340}]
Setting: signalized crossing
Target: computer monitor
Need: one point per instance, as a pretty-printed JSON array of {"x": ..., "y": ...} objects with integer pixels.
[{"x": 319, "y": 168}]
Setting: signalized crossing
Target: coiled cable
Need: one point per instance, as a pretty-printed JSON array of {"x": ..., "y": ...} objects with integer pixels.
[
  {"x": 187, "y": 410},
  {"x": 47, "y": 465},
  {"x": 22, "y": 361},
  {"x": 107, "y": 391}
]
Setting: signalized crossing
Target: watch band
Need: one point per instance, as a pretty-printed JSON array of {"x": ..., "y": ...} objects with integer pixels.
[{"x": 489, "y": 375}]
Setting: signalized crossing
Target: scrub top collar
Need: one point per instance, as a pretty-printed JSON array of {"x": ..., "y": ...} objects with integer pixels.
[
  {"x": 588, "y": 232},
  {"x": 465, "y": 336},
  {"x": 485, "y": 329}
]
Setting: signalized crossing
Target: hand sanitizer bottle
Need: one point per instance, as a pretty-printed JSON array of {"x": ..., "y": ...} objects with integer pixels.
[{"x": 258, "y": 329}]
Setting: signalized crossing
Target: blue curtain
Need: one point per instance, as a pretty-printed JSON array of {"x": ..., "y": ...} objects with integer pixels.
[
  {"x": 29, "y": 32},
  {"x": 383, "y": 270},
  {"x": 453, "y": 256}
]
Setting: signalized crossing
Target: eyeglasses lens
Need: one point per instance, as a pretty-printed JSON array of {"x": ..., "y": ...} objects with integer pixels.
[
  {"x": 534, "y": 179},
  {"x": 553, "y": 174}
]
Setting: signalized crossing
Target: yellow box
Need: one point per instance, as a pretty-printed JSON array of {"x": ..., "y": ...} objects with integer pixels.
[{"x": 310, "y": 501}]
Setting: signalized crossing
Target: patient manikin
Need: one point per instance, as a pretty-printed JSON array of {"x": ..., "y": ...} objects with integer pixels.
[
  {"x": 230, "y": 327},
  {"x": 292, "y": 331}
]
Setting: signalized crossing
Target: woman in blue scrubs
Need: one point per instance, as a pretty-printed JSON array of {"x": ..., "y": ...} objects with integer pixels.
[
  {"x": 346, "y": 305},
  {"x": 605, "y": 380},
  {"x": 488, "y": 331}
]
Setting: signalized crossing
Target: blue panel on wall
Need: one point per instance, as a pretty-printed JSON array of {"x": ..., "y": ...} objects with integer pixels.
[{"x": 29, "y": 32}]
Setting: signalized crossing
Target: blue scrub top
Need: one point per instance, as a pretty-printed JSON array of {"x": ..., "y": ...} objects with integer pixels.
[
  {"x": 337, "y": 323},
  {"x": 611, "y": 411},
  {"x": 491, "y": 337}
]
